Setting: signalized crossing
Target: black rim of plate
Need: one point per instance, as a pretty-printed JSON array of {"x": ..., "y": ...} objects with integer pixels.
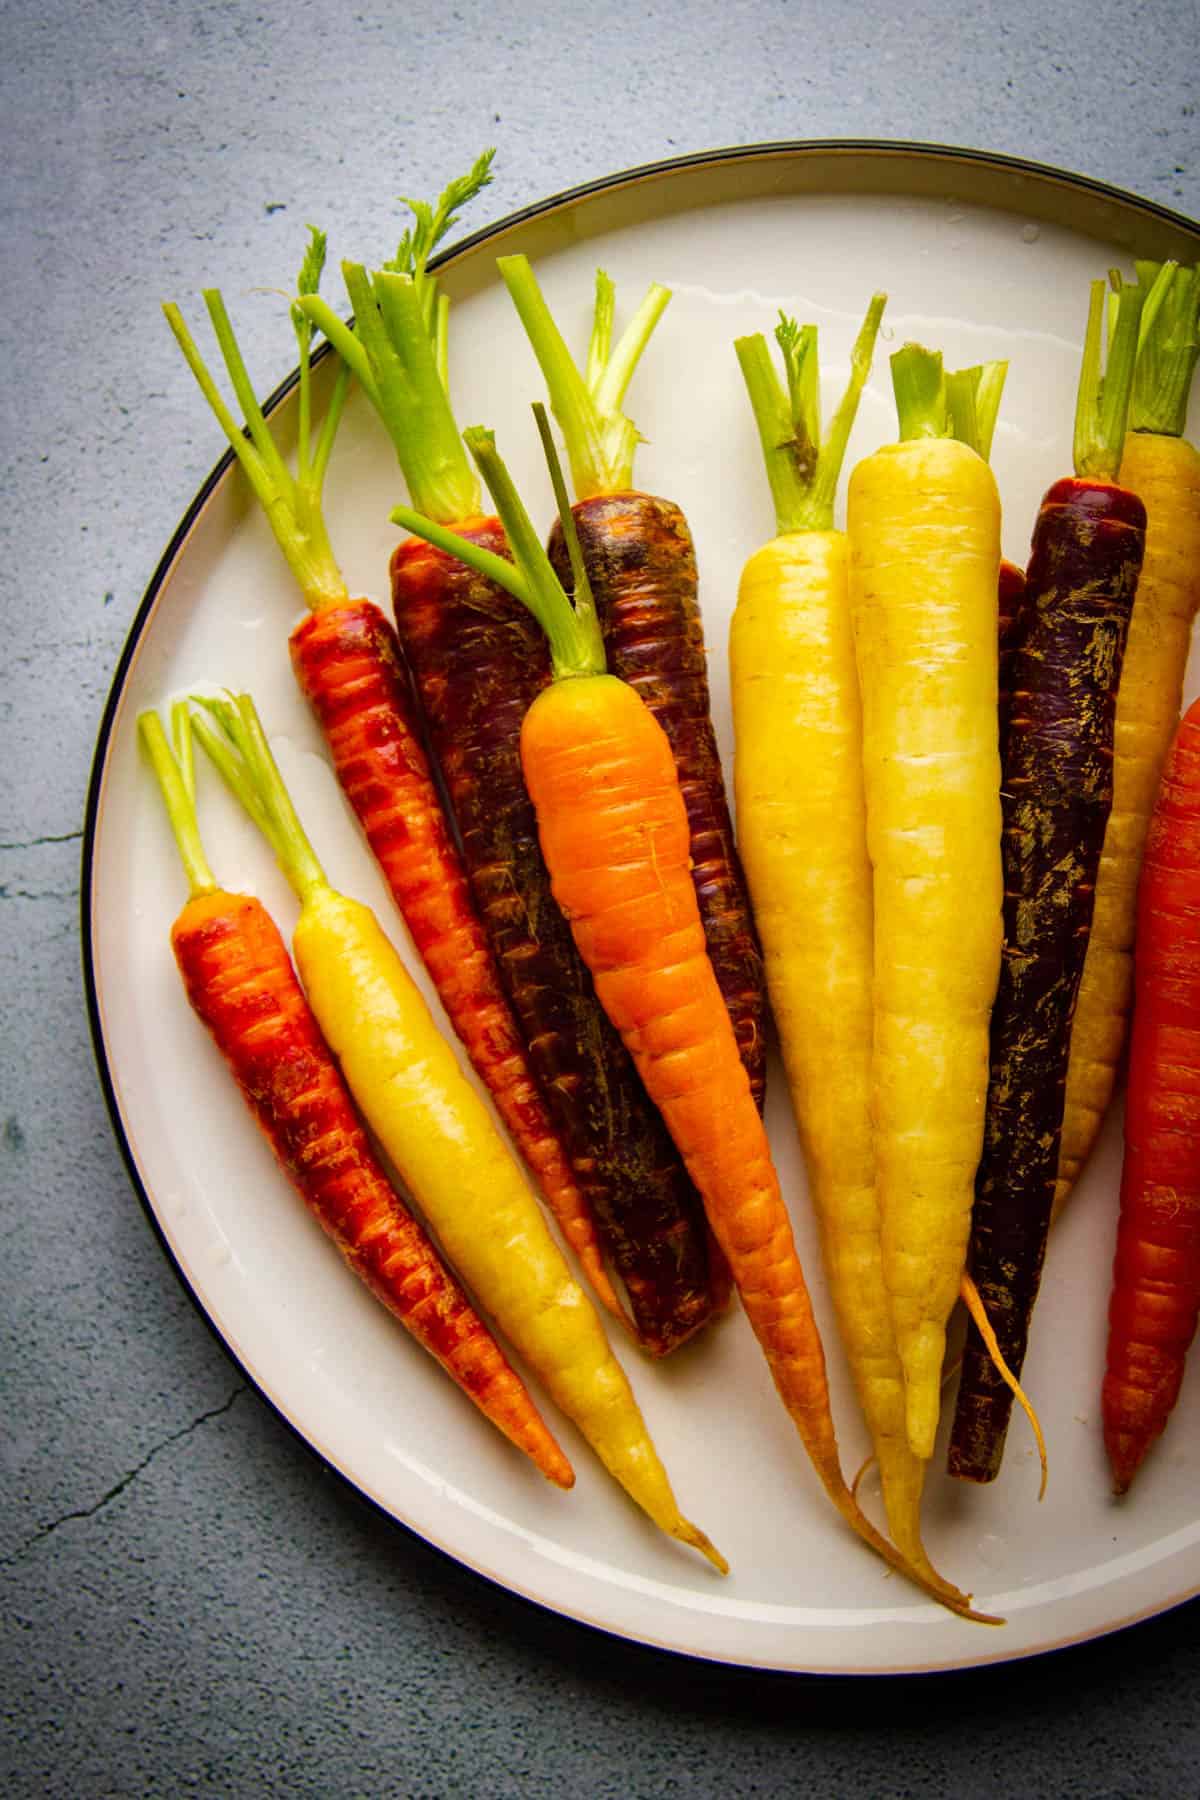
[{"x": 877, "y": 148}]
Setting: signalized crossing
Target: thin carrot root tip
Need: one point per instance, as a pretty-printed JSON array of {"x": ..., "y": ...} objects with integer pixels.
[
  {"x": 863, "y": 1466},
  {"x": 687, "y": 1533},
  {"x": 974, "y": 1305}
]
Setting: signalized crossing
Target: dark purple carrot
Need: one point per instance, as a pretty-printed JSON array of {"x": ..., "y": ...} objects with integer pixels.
[
  {"x": 1056, "y": 793},
  {"x": 641, "y": 564},
  {"x": 479, "y": 660}
]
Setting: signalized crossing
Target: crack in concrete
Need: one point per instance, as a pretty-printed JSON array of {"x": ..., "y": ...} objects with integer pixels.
[
  {"x": 63, "y": 837},
  {"x": 119, "y": 1487}
]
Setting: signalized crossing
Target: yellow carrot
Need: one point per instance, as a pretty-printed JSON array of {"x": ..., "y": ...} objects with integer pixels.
[
  {"x": 801, "y": 815},
  {"x": 439, "y": 1135},
  {"x": 923, "y": 521},
  {"x": 1163, "y": 469}
]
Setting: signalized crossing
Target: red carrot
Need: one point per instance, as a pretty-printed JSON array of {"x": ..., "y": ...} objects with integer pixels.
[
  {"x": 641, "y": 564},
  {"x": 241, "y": 985},
  {"x": 1156, "y": 1273},
  {"x": 1056, "y": 794}
]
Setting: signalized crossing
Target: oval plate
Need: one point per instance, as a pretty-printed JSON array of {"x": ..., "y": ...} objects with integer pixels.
[{"x": 982, "y": 257}]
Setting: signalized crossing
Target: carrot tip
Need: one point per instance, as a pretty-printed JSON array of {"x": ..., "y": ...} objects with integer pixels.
[
  {"x": 975, "y": 1306},
  {"x": 862, "y": 1470},
  {"x": 687, "y": 1533}
]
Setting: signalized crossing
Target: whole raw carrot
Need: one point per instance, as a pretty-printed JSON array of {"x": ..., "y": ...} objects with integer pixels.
[
  {"x": 614, "y": 832},
  {"x": 641, "y": 566},
  {"x": 241, "y": 985},
  {"x": 348, "y": 665},
  {"x": 1156, "y": 1273},
  {"x": 923, "y": 522},
  {"x": 634, "y": 1194},
  {"x": 801, "y": 816},
  {"x": 1056, "y": 795},
  {"x": 439, "y": 1134},
  {"x": 479, "y": 660},
  {"x": 1163, "y": 469}
]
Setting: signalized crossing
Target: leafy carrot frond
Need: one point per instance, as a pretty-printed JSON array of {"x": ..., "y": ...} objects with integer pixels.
[
  {"x": 1110, "y": 352},
  {"x": 292, "y": 503},
  {"x": 231, "y": 733},
  {"x": 1168, "y": 348},
  {"x": 173, "y": 770},
  {"x": 600, "y": 441},
  {"x": 934, "y": 402},
  {"x": 803, "y": 472}
]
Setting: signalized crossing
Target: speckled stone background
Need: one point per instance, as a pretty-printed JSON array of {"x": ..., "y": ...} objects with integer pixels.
[{"x": 186, "y": 1604}]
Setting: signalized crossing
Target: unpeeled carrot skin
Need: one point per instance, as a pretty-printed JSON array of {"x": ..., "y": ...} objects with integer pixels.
[
  {"x": 240, "y": 983},
  {"x": 348, "y": 665},
  {"x": 478, "y": 659},
  {"x": 1156, "y": 1273}
]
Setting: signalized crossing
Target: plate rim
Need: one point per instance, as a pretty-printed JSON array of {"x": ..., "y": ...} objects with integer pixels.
[{"x": 660, "y": 169}]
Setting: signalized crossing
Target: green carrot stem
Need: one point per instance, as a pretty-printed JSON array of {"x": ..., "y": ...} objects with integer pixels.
[
  {"x": 930, "y": 402},
  {"x": 576, "y": 645},
  {"x": 803, "y": 474},
  {"x": 233, "y": 737},
  {"x": 600, "y": 441},
  {"x": 1169, "y": 345},
  {"x": 1102, "y": 405},
  {"x": 172, "y": 769},
  {"x": 399, "y": 349},
  {"x": 292, "y": 503}
]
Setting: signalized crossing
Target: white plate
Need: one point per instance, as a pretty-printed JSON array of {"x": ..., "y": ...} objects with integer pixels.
[{"x": 981, "y": 258}]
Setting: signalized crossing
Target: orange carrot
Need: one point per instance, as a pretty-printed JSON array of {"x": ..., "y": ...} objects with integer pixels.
[
  {"x": 614, "y": 832},
  {"x": 241, "y": 985},
  {"x": 1156, "y": 1274}
]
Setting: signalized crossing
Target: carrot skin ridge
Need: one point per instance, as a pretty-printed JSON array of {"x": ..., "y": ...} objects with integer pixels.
[
  {"x": 1056, "y": 795},
  {"x": 641, "y": 564},
  {"x": 1165, "y": 473},
  {"x": 240, "y": 983},
  {"x": 615, "y": 836},
  {"x": 348, "y": 664},
  {"x": 1155, "y": 1298},
  {"x": 1011, "y": 594},
  {"x": 479, "y": 660}
]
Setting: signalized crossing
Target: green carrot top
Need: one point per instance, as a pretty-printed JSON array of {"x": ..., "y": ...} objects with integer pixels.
[
  {"x": 600, "y": 441},
  {"x": 571, "y": 625},
  {"x": 292, "y": 502},
  {"x": 1168, "y": 347},
  {"x": 174, "y": 768},
  {"x": 803, "y": 471},
  {"x": 231, "y": 732},
  {"x": 1110, "y": 355},
  {"x": 934, "y": 402},
  {"x": 397, "y": 349}
]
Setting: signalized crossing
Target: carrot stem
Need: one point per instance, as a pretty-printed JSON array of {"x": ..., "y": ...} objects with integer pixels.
[
  {"x": 1105, "y": 384},
  {"x": 600, "y": 441},
  {"x": 292, "y": 503},
  {"x": 803, "y": 473},
  {"x": 173, "y": 770},
  {"x": 239, "y": 750},
  {"x": 1168, "y": 348}
]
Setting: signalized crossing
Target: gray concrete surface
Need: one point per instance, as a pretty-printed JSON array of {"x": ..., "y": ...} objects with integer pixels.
[{"x": 186, "y": 1604}]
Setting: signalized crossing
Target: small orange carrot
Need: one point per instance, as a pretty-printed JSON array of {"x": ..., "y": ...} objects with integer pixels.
[
  {"x": 614, "y": 833},
  {"x": 241, "y": 985}
]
